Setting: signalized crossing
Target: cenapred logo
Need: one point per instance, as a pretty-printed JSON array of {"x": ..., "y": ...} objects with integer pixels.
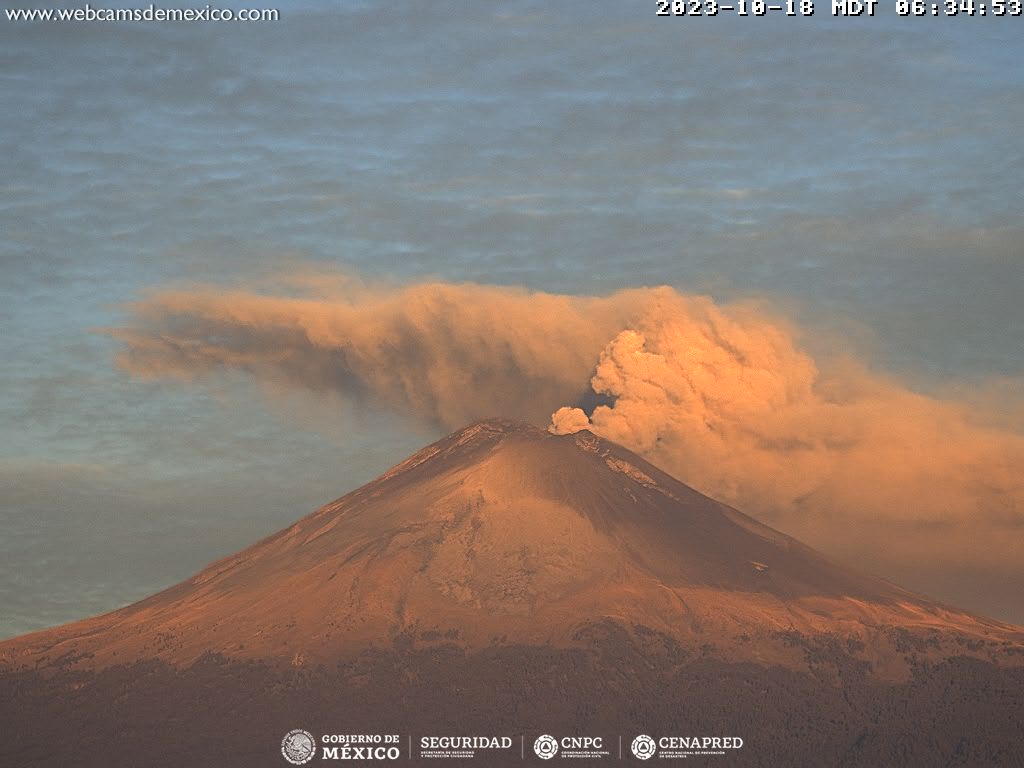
[
  {"x": 546, "y": 747},
  {"x": 643, "y": 747},
  {"x": 298, "y": 746}
]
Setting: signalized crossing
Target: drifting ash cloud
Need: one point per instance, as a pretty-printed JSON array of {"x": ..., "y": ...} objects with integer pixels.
[{"x": 722, "y": 396}]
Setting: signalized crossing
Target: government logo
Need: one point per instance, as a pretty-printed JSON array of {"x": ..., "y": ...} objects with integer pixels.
[{"x": 298, "y": 746}]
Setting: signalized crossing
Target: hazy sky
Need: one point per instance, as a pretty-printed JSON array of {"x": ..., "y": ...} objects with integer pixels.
[{"x": 861, "y": 176}]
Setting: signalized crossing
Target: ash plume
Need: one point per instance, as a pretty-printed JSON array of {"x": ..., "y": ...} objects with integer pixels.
[{"x": 723, "y": 396}]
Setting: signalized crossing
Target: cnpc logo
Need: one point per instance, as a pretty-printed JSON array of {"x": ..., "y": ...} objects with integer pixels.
[{"x": 547, "y": 747}]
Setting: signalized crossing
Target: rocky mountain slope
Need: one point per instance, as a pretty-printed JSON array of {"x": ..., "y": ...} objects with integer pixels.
[{"x": 506, "y": 578}]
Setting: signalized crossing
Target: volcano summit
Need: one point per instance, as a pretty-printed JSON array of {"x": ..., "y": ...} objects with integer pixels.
[{"x": 505, "y": 579}]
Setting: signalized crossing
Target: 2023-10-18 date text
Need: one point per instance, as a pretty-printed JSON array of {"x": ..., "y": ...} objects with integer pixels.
[{"x": 973, "y": 8}]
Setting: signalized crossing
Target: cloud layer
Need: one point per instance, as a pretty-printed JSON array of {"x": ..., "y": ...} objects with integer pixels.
[{"x": 723, "y": 396}]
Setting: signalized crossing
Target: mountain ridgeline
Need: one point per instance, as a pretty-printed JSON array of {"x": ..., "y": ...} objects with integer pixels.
[{"x": 507, "y": 579}]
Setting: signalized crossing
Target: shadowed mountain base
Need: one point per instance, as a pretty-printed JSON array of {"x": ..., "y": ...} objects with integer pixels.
[
  {"x": 505, "y": 581},
  {"x": 959, "y": 712}
]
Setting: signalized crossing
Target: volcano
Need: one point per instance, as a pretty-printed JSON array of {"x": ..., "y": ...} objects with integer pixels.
[{"x": 505, "y": 579}]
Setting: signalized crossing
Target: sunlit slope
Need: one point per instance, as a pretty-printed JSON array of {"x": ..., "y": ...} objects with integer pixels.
[{"x": 502, "y": 534}]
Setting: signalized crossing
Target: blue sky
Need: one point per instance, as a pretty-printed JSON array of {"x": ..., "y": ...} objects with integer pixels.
[{"x": 863, "y": 175}]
